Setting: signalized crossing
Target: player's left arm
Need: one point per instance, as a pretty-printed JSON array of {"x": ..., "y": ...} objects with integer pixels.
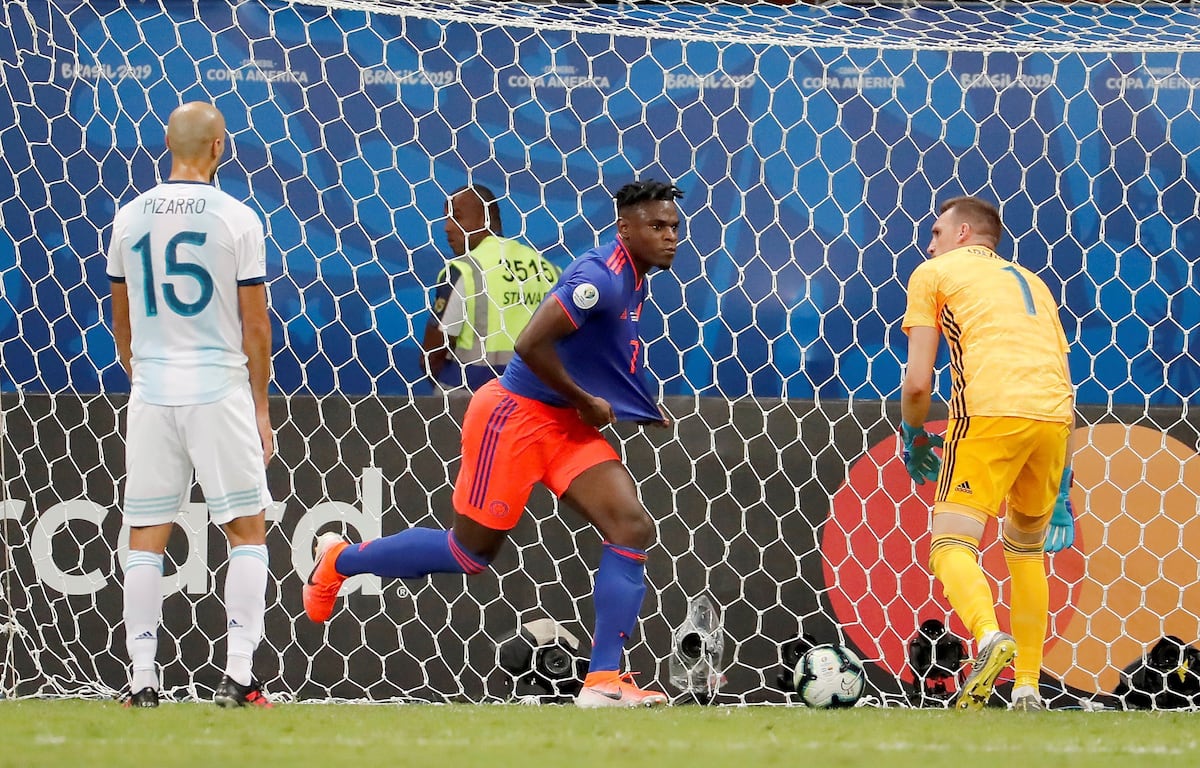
[
  {"x": 256, "y": 326},
  {"x": 256, "y": 343}
]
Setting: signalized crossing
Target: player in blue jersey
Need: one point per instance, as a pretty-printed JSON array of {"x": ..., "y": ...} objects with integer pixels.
[
  {"x": 579, "y": 366},
  {"x": 188, "y": 265}
]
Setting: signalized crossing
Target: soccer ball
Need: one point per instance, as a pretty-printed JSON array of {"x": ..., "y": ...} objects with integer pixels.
[{"x": 829, "y": 676}]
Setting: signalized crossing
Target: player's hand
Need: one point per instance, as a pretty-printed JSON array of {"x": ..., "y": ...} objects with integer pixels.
[
  {"x": 1061, "y": 533},
  {"x": 267, "y": 436},
  {"x": 919, "y": 459},
  {"x": 596, "y": 412},
  {"x": 664, "y": 420}
]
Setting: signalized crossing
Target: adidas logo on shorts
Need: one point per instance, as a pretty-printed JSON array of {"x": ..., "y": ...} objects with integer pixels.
[{"x": 963, "y": 487}]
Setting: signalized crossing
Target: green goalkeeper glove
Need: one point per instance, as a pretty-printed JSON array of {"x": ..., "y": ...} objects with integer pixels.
[
  {"x": 1061, "y": 533},
  {"x": 919, "y": 459}
]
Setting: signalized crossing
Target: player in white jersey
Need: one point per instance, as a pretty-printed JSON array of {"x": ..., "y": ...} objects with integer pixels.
[{"x": 187, "y": 264}]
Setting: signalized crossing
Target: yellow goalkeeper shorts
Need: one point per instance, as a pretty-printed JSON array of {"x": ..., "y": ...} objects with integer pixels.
[{"x": 987, "y": 460}]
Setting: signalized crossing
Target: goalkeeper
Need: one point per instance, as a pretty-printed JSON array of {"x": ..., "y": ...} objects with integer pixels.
[{"x": 1011, "y": 413}]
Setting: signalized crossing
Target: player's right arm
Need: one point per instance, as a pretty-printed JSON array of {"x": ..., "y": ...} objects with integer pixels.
[
  {"x": 923, "y": 337},
  {"x": 122, "y": 334},
  {"x": 122, "y": 331},
  {"x": 917, "y": 391},
  {"x": 536, "y": 346}
]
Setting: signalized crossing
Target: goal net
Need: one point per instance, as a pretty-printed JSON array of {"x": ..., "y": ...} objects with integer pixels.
[{"x": 813, "y": 143}]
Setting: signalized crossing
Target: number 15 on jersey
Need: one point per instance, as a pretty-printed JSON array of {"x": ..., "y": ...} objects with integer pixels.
[{"x": 175, "y": 269}]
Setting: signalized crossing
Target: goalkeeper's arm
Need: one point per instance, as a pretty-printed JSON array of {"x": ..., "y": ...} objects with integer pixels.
[
  {"x": 921, "y": 463},
  {"x": 917, "y": 390}
]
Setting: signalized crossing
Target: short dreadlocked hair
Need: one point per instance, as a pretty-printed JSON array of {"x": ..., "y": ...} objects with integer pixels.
[{"x": 639, "y": 192}]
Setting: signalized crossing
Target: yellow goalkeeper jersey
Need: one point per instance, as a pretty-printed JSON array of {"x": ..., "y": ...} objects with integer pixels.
[{"x": 1007, "y": 345}]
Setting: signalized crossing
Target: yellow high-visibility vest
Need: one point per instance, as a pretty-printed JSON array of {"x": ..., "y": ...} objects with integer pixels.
[{"x": 503, "y": 282}]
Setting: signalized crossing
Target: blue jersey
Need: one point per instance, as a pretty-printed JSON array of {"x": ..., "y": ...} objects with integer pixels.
[{"x": 602, "y": 294}]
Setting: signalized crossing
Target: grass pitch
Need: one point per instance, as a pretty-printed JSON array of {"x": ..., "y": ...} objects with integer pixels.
[{"x": 90, "y": 733}]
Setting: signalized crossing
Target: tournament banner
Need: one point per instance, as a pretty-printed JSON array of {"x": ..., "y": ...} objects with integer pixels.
[{"x": 811, "y": 173}]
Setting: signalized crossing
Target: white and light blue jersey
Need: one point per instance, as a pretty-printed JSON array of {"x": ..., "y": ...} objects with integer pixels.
[{"x": 183, "y": 248}]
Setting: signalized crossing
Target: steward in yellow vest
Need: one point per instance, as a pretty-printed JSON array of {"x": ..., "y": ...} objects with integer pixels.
[{"x": 485, "y": 296}]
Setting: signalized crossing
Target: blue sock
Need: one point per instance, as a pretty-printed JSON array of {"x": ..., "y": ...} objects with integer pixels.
[
  {"x": 620, "y": 587},
  {"x": 409, "y": 554}
]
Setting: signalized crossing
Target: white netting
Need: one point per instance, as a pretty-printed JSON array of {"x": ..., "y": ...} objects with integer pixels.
[
  {"x": 813, "y": 143},
  {"x": 908, "y": 26}
]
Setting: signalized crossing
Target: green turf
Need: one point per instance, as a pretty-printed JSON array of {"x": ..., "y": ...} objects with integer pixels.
[{"x": 89, "y": 733}]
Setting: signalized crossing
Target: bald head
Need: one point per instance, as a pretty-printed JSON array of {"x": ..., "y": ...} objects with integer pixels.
[
  {"x": 472, "y": 215},
  {"x": 196, "y": 139}
]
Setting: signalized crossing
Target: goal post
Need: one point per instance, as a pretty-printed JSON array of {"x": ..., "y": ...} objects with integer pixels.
[{"x": 813, "y": 143}]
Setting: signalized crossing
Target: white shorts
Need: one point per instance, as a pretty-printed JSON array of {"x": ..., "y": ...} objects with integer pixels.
[{"x": 219, "y": 441}]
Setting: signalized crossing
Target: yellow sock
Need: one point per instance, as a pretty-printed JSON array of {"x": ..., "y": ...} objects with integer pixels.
[
  {"x": 954, "y": 561},
  {"x": 1030, "y": 608}
]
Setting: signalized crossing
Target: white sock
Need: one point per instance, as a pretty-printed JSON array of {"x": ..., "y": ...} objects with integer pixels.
[
  {"x": 142, "y": 615},
  {"x": 245, "y": 604},
  {"x": 987, "y": 638},
  {"x": 1024, "y": 690}
]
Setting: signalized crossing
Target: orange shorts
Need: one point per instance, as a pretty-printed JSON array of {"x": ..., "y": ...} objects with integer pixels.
[
  {"x": 509, "y": 443},
  {"x": 988, "y": 460}
]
